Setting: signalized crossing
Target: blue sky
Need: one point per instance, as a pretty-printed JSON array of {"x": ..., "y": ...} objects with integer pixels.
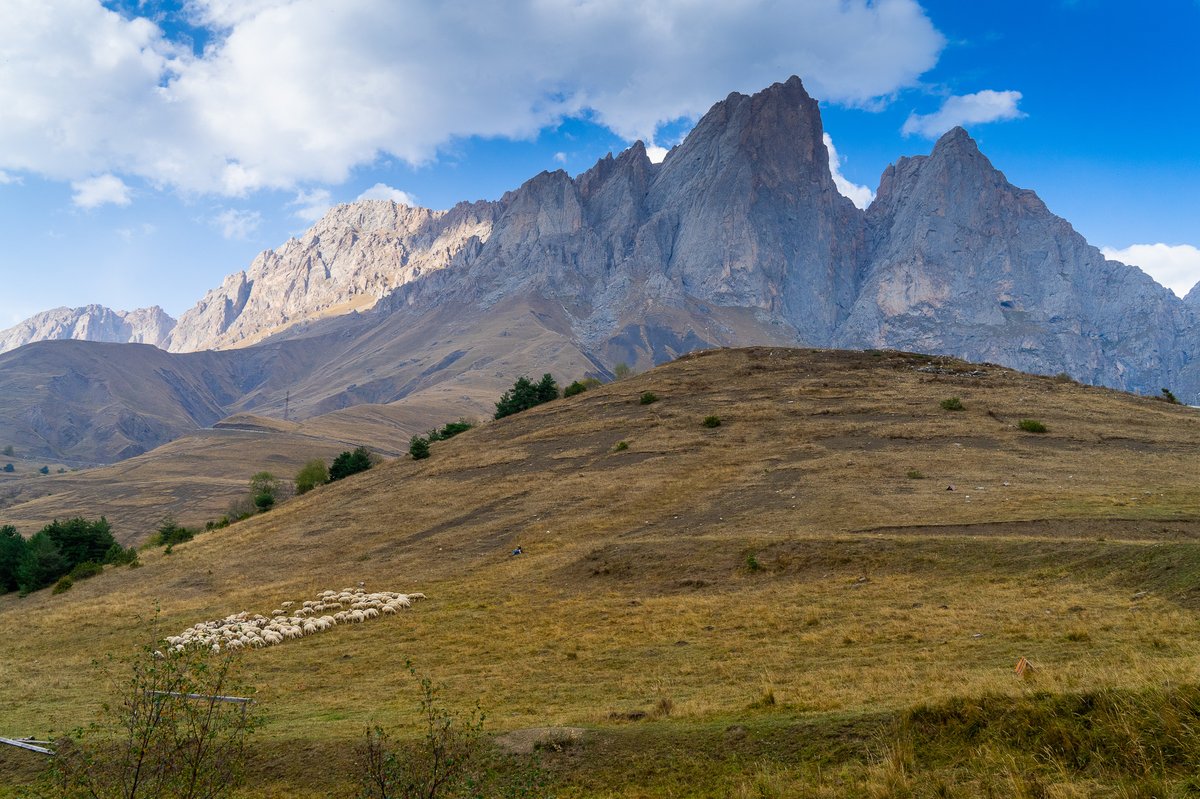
[{"x": 147, "y": 149}]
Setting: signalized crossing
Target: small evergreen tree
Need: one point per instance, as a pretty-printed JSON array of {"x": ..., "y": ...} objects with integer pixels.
[
  {"x": 8, "y": 467},
  {"x": 80, "y": 540},
  {"x": 525, "y": 394},
  {"x": 41, "y": 564},
  {"x": 12, "y": 550},
  {"x": 349, "y": 463},
  {"x": 418, "y": 448}
]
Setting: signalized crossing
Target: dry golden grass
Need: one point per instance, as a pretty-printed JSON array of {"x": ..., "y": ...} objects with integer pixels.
[{"x": 780, "y": 565}]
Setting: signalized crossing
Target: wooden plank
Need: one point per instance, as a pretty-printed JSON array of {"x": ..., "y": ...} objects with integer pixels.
[{"x": 27, "y": 744}]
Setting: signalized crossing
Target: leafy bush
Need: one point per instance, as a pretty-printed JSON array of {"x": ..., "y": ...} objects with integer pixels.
[
  {"x": 311, "y": 475},
  {"x": 525, "y": 394},
  {"x": 1167, "y": 396},
  {"x": 1031, "y": 426},
  {"x": 622, "y": 371},
  {"x": 914, "y": 474},
  {"x": 44, "y": 470},
  {"x": 449, "y": 430},
  {"x": 711, "y": 421},
  {"x": 451, "y": 758},
  {"x": 63, "y": 585},
  {"x": 8, "y": 467},
  {"x": 349, "y": 463},
  {"x": 264, "y": 490},
  {"x": 164, "y": 734},
  {"x": 620, "y": 446},
  {"x": 418, "y": 448},
  {"x": 648, "y": 398},
  {"x": 952, "y": 404},
  {"x": 580, "y": 386},
  {"x": 169, "y": 533},
  {"x": 118, "y": 555},
  {"x": 85, "y": 570}
]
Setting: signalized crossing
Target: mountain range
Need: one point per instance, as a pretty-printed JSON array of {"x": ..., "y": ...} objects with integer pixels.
[{"x": 738, "y": 237}]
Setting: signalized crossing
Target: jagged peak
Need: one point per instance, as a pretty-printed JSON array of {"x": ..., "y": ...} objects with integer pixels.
[
  {"x": 956, "y": 141},
  {"x": 1193, "y": 296}
]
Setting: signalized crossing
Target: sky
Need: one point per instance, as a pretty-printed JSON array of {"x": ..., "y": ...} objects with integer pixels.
[{"x": 149, "y": 148}]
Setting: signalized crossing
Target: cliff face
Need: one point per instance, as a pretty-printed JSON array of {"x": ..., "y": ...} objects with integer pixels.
[
  {"x": 91, "y": 323},
  {"x": 962, "y": 262},
  {"x": 354, "y": 255}
]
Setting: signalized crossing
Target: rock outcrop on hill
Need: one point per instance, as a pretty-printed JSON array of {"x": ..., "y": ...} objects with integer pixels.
[
  {"x": 738, "y": 237},
  {"x": 91, "y": 323}
]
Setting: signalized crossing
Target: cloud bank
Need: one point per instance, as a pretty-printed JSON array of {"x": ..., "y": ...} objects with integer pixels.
[
  {"x": 861, "y": 196},
  {"x": 295, "y": 92},
  {"x": 1176, "y": 267},
  {"x": 965, "y": 109}
]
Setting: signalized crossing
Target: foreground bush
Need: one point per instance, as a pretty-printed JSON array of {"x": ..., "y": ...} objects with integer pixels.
[
  {"x": 152, "y": 741},
  {"x": 451, "y": 758}
]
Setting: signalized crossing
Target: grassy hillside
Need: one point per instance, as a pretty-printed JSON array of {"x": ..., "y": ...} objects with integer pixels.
[{"x": 745, "y": 609}]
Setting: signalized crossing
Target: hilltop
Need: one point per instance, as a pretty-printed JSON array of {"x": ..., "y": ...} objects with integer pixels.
[{"x": 839, "y": 549}]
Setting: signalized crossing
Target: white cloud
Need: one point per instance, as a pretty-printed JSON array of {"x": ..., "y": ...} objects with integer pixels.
[
  {"x": 560, "y": 158},
  {"x": 859, "y": 195},
  {"x": 655, "y": 153},
  {"x": 237, "y": 223},
  {"x": 965, "y": 109},
  {"x": 294, "y": 92},
  {"x": 1176, "y": 267},
  {"x": 312, "y": 204},
  {"x": 7, "y": 179},
  {"x": 382, "y": 191},
  {"x": 100, "y": 190}
]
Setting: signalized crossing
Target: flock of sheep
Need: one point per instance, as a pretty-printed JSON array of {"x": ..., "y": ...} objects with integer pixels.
[{"x": 242, "y": 630}]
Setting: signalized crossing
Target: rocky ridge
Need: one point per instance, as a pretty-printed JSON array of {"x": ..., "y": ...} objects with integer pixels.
[
  {"x": 91, "y": 323},
  {"x": 738, "y": 237}
]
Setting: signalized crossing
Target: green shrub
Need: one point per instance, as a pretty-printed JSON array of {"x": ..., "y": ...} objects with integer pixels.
[
  {"x": 8, "y": 467},
  {"x": 711, "y": 421},
  {"x": 1031, "y": 426},
  {"x": 525, "y": 394},
  {"x": 752, "y": 564},
  {"x": 64, "y": 584},
  {"x": 622, "y": 371},
  {"x": 648, "y": 398},
  {"x": 118, "y": 555},
  {"x": 169, "y": 533},
  {"x": 349, "y": 463},
  {"x": 449, "y": 430},
  {"x": 574, "y": 388},
  {"x": 83, "y": 571},
  {"x": 914, "y": 474},
  {"x": 8, "y": 451},
  {"x": 418, "y": 448},
  {"x": 44, "y": 470},
  {"x": 952, "y": 404},
  {"x": 311, "y": 475},
  {"x": 1167, "y": 396},
  {"x": 620, "y": 446}
]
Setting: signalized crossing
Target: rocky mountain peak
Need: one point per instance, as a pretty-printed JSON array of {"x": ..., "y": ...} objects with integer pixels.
[
  {"x": 1193, "y": 296},
  {"x": 91, "y": 323}
]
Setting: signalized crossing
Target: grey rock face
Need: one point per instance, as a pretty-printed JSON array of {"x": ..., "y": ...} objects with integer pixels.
[
  {"x": 963, "y": 262},
  {"x": 1193, "y": 296},
  {"x": 91, "y": 323}
]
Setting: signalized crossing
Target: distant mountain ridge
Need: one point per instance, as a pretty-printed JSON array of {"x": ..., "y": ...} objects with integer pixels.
[
  {"x": 91, "y": 323},
  {"x": 738, "y": 237}
]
